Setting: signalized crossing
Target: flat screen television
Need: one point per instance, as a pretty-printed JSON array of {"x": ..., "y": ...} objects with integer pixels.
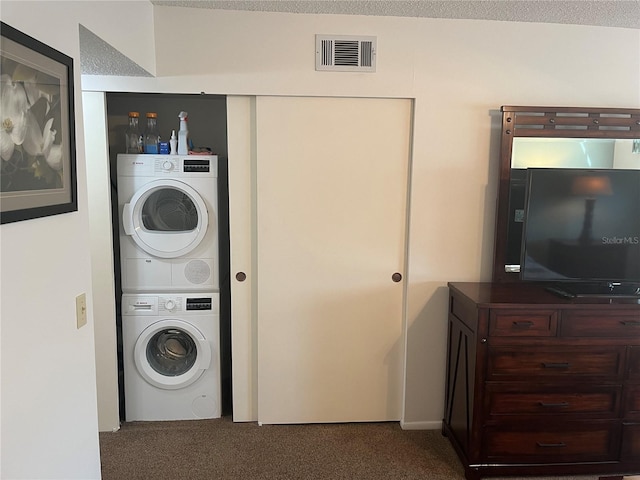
[{"x": 582, "y": 230}]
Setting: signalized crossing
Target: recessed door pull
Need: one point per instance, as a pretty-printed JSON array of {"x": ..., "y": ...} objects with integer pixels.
[
  {"x": 241, "y": 276},
  {"x": 396, "y": 277}
]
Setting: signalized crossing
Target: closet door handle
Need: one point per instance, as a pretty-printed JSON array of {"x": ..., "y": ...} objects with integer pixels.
[
  {"x": 241, "y": 276},
  {"x": 396, "y": 277}
]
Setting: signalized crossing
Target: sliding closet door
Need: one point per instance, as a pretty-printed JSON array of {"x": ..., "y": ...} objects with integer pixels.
[{"x": 331, "y": 219}]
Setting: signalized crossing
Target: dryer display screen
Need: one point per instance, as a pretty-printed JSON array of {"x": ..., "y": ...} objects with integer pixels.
[
  {"x": 199, "y": 303},
  {"x": 196, "y": 166}
]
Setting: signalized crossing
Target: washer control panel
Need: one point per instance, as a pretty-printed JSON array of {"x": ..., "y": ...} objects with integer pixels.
[
  {"x": 169, "y": 304},
  {"x": 139, "y": 305}
]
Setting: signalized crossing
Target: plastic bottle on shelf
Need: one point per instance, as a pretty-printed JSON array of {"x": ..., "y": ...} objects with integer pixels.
[
  {"x": 173, "y": 143},
  {"x": 183, "y": 147},
  {"x": 132, "y": 135},
  {"x": 151, "y": 136}
]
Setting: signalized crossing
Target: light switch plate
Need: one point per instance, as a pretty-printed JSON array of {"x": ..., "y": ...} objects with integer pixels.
[{"x": 81, "y": 310}]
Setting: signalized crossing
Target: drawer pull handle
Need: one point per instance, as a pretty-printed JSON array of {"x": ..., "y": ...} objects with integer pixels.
[
  {"x": 631, "y": 323},
  {"x": 556, "y": 364},
  {"x": 551, "y": 445},
  {"x": 552, "y": 405},
  {"x": 523, "y": 323}
]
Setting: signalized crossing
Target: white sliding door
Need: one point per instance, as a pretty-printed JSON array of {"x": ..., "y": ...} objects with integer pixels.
[{"x": 331, "y": 220}]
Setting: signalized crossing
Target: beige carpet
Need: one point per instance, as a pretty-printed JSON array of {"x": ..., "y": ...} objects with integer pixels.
[{"x": 221, "y": 449}]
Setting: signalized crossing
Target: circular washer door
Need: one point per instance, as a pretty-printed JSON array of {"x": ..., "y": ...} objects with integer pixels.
[
  {"x": 171, "y": 354},
  {"x": 166, "y": 218}
]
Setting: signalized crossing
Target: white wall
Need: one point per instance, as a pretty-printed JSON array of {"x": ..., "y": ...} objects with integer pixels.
[
  {"x": 49, "y": 425},
  {"x": 459, "y": 72}
]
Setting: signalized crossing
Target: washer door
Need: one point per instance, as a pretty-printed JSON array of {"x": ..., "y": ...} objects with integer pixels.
[
  {"x": 171, "y": 354},
  {"x": 166, "y": 218}
]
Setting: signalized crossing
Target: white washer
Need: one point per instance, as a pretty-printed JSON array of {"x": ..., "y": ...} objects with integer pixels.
[
  {"x": 167, "y": 207},
  {"x": 171, "y": 345}
]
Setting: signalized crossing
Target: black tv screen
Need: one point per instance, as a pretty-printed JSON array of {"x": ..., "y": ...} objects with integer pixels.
[{"x": 581, "y": 225}]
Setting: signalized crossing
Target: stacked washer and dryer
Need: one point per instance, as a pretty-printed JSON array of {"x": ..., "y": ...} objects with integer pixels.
[{"x": 170, "y": 284}]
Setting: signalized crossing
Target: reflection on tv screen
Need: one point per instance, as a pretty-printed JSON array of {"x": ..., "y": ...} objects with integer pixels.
[{"x": 582, "y": 225}]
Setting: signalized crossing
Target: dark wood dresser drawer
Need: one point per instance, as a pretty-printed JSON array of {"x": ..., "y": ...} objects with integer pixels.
[
  {"x": 548, "y": 362},
  {"x": 633, "y": 363},
  {"x": 630, "y": 442},
  {"x": 596, "y": 323},
  {"x": 523, "y": 323},
  {"x": 590, "y": 401},
  {"x": 563, "y": 442},
  {"x": 631, "y": 408}
]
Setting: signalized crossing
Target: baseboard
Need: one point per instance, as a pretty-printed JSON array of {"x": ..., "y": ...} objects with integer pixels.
[{"x": 421, "y": 425}]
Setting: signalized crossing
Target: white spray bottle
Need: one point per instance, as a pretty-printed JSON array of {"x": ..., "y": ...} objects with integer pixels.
[
  {"x": 183, "y": 147},
  {"x": 173, "y": 143}
]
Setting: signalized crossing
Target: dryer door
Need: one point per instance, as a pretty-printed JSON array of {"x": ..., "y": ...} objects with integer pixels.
[
  {"x": 171, "y": 354},
  {"x": 166, "y": 218}
]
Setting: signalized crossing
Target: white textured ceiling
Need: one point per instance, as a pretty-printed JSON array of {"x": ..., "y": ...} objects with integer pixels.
[
  {"x": 99, "y": 58},
  {"x": 607, "y": 13}
]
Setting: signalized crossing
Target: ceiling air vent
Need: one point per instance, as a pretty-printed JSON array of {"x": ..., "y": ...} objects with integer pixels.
[{"x": 345, "y": 53}]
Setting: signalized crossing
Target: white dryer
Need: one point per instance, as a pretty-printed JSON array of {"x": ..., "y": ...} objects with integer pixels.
[
  {"x": 171, "y": 356},
  {"x": 168, "y": 222}
]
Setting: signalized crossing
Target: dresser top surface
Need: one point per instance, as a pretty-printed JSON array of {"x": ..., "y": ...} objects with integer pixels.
[{"x": 520, "y": 294}]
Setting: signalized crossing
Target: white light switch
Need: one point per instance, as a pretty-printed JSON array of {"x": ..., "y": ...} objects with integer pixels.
[{"x": 81, "y": 310}]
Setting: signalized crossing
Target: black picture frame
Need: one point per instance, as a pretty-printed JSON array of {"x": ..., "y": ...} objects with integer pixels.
[{"x": 38, "y": 148}]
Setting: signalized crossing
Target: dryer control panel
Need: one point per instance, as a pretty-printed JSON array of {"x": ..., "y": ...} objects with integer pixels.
[
  {"x": 197, "y": 166},
  {"x": 170, "y": 166}
]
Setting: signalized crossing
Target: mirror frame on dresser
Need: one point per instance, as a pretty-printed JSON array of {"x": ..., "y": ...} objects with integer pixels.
[{"x": 549, "y": 122}]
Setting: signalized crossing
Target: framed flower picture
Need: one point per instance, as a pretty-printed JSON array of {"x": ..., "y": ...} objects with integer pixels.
[{"x": 37, "y": 133}]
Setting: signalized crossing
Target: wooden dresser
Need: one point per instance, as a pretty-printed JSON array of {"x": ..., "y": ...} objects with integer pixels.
[{"x": 542, "y": 385}]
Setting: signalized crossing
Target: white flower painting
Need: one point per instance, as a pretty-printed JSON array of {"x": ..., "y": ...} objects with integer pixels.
[
  {"x": 37, "y": 133},
  {"x": 30, "y": 113}
]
